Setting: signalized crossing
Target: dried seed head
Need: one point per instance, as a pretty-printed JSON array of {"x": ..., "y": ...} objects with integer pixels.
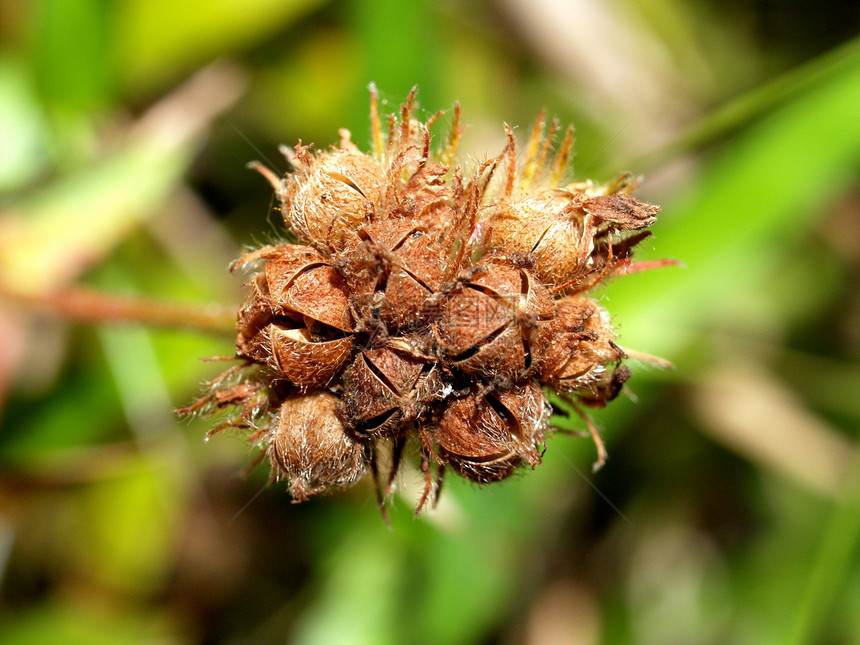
[
  {"x": 309, "y": 448},
  {"x": 432, "y": 308}
]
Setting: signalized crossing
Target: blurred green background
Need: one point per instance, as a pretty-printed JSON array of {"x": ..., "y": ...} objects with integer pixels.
[{"x": 729, "y": 511}]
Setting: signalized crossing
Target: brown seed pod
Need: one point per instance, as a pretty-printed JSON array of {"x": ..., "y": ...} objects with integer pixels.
[
  {"x": 416, "y": 274},
  {"x": 302, "y": 360},
  {"x": 302, "y": 285},
  {"x": 330, "y": 195},
  {"x": 559, "y": 228},
  {"x": 582, "y": 351},
  {"x": 379, "y": 391},
  {"x": 309, "y": 448},
  {"x": 497, "y": 324},
  {"x": 394, "y": 272},
  {"x": 485, "y": 439},
  {"x": 471, "y": 322},
  {"x": 549, "y": 225}
]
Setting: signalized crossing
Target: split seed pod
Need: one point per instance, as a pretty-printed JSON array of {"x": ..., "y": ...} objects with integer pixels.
[
  {"x": 394, "y": 272},
  {"x": 583, "y": 352},
  {"x": 304, "y": 286},
  {"x": 486, "y": 438},
  {"x": 380, "y": 387},
  {"x": 496, "y": 323},
  {"x": 305, "y": 362}
]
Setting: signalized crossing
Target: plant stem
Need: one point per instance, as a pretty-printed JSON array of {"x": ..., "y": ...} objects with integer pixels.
[{"x": 85, "y": 305}]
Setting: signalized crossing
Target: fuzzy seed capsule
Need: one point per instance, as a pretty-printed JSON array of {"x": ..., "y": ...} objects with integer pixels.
[
  {"x": 309, "y": 448},
  {"x": 330, "y": 196},
  {"x": 560, "y": 228}
]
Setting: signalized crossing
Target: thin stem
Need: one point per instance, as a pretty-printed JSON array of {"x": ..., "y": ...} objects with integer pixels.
[{"x": 84, "y": 305}]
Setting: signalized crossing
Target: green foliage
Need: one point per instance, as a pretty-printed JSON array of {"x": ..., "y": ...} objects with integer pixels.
[{"x": 730, "y": 508}]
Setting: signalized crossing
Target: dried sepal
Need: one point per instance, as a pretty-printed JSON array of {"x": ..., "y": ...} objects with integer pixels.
[{"x": 621, "y": 211}]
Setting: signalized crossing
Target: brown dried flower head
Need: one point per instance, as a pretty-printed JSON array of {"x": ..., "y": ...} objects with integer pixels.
[{"x": 426, "y": 305}]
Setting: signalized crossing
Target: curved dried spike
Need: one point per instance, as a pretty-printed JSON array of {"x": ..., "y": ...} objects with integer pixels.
[
  {"x": 510, "y": 154},
  {"x": 562, "y": 157},
  {"x": 377, "y": 487},
  {"x": 398, "y": 444},
  {"x": 425, "y": 149},
  {"x": 263, "y": 253},
  {"x": 431, "y": 121},
  {"x": 447, "y": 155},
  {"x": 544, "y": 151},
  {"x": 428, "y": 484},
  {"x": 595, "y": 436},
  {"x": 375, "y": 123},
  {"x": 529, "y": 167},
  {"x": 656, "y": 361},
  {"x": 623, "y": 183},
  {"x": 405, "y": 116},
  {"x": 627, "y": 267},
  {"x": 392, "y": 132},
  {"x": 276, "y": 182}
]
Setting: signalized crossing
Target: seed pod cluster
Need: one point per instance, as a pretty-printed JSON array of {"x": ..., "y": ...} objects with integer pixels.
[{"x": 426, "y": 305}]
